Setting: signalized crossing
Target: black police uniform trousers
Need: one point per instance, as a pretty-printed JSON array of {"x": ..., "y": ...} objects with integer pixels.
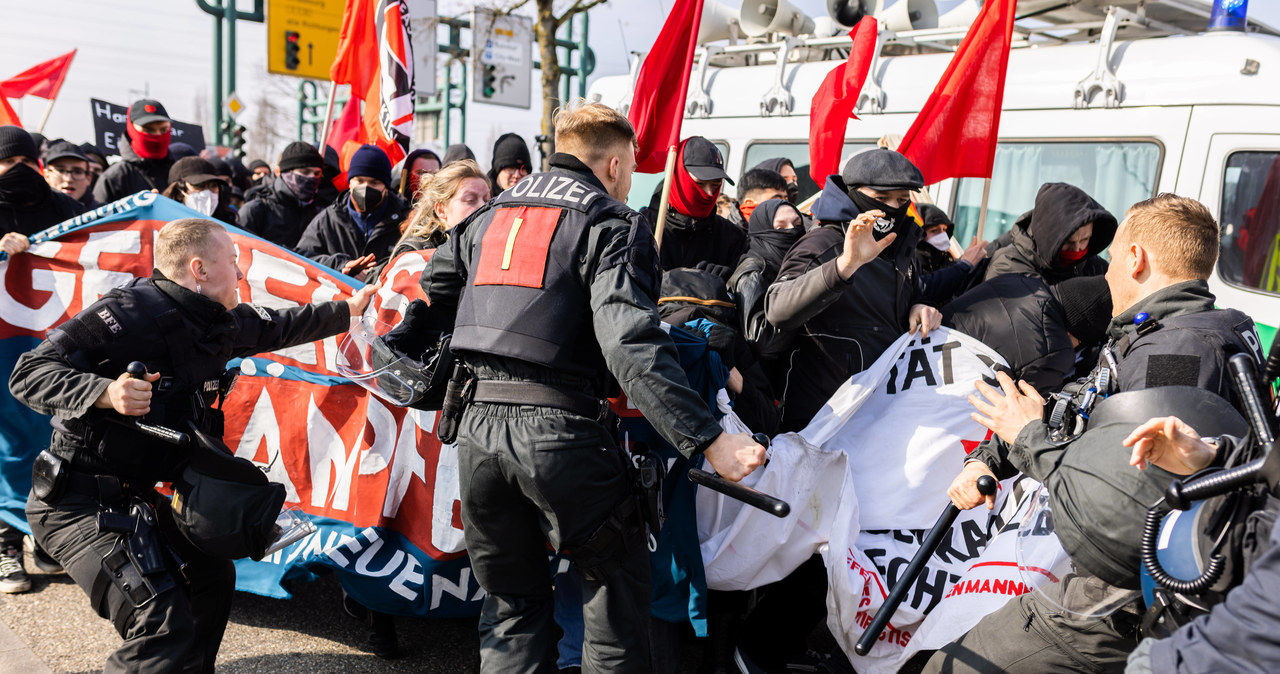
[
  {"x": 533, "y": 475},
  {"x": 180, "y": 629}
]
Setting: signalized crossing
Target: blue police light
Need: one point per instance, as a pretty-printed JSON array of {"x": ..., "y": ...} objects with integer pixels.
[{"x": 1229, "y": 15}]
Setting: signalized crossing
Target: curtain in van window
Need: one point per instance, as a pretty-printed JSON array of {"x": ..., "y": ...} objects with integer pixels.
[{"x": 1125, "y": 174}]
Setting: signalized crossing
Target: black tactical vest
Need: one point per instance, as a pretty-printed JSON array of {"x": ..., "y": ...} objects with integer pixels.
[
  {"x": 525, "y": 297},
  {"x": 139, "y": 322}
]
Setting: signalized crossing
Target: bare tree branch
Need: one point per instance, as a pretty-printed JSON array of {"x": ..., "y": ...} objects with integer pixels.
[{"x": 577, "y": 7}]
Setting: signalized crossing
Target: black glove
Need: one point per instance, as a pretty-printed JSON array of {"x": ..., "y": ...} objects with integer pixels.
[
  {"x": 720, "y": 270},
  {"x": 723, "y": 341},
  {"x": 416, "y": 333}
]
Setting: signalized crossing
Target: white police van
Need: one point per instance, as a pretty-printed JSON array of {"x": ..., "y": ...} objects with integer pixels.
[{"x": 1124, "y": 101}]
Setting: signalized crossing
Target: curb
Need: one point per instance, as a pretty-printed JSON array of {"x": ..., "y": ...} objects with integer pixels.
[{"x": 16, "y": 656}]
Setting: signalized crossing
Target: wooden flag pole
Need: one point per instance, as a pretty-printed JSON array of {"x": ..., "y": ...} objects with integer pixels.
[
  {"x": 982, "y": 212},
  {"x": 328, "y": 117},
  {"x": 47, "y": 109},
  {"x": 666, "y": 196}
]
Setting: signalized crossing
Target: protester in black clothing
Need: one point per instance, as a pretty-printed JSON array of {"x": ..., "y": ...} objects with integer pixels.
[
  {"x": 97, "y": 165},
  {"x": 456, "y": 152},
  {"x": 774, "y": 228},
  {"x": 287, "y": 204},
  {"x": 259, "y": 172},
  {"x": 193, "y": 183},
  {"x": 694, "y": 235},
  {"x": 944, "y": 276},
  {"x": 66, "y": 169},
  {"x": 1059, "y": 239},
  {"x": 27, "y": 203},
  {"x": 145, "y": 158},
  {"x": 511, "y": 162},
  {"x": 358, "y": 230},
  {"x": 416, "y": 168},
  {"x": 758, "y": 186},
  {"x": 783, "y": 167}
]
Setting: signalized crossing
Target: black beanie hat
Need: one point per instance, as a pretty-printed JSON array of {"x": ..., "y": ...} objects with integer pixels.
[
  {"x": 16, "y": 142},
  {"x": 371, "y": 162},
  {"x": 299, "y": 154},
  {"x": 456, "y": 152},
  {"x": 510, "y": 150},
  {"x": 1086, "y": 302}
]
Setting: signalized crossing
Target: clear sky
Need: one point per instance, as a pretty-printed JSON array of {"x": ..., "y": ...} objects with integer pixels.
[{"x": 163, "y": 48}]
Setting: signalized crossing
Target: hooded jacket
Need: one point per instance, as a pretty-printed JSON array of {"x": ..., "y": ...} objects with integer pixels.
[
  {"x": 333, "y": 238},
  {"x": 400, "y": 180},
  {"x": 688, "y": 241},
  {"x": 841, "y": 327},
  {"x": 277, "y": 215},
  {"x": 42, "y": 207},
  {"x": 1037, "y": 236},
  {"x": 132, "y": 175}
]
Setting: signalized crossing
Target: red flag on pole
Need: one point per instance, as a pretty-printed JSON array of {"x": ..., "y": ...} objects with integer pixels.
[
  {"x": 375, "y": 58},
  {"x": 356, "y": 62},
  {"x": 7, "y": 115},
  {"x": 347, "y": 130},
  {"x": 954, "y": 136},
  {"x": 657, "y": 105},
  {"x": 42, "y": 80},
  {"x": 834, "y": 103}
]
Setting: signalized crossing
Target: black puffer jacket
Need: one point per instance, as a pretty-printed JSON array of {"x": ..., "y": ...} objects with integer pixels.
[
  {"x": 132, "y": 175},
  {"x": 1037, "y": 236},
  {"x": 841, "y": 327},
  {"x": 277, "y": 215},
  {"x": 687, "y": 241},
  {"x": 1018, "y": 317},
  {"x": 333, "y": 238}
]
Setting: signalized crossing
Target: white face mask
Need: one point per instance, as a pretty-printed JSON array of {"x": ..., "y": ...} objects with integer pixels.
[
  {"x": 203, "y": 201},
  {"x": 940, "y": 241}
]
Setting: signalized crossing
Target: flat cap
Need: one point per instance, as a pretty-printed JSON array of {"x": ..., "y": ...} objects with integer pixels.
[{"x": 881, "y": 169}]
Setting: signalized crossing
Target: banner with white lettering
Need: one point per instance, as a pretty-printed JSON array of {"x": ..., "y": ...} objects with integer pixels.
[
  {"x": 904, "y": 424},
  {"x": 380, "y": 486}
]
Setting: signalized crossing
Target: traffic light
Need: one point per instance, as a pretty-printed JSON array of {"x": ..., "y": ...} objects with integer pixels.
[
  {"x": 225, "y": 131},
  {"x": 237, "y": 141},
  {"x": 291, "y": 48},
  {"x": 490, "y": 81}
]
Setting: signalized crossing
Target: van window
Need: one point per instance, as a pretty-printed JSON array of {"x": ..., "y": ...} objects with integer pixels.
[
  {"x": 798, "y": 153},
  {"x": 643, "y": 184},
  {"x": 1250, "y": 221},
  {"x": 1115, "y": 173}
]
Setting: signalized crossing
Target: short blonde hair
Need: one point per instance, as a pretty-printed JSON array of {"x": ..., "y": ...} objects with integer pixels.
[
  {"x": 439, "y": 188},
  {"x": 182, "y": 240},
  {"x": 590, "y": 131},
  {"x": 1180, "y": 232}
]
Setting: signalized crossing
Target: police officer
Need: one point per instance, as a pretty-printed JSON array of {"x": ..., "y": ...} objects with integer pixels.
[
  {"x": 168, "y": 601},
  {"x": 1165, "y": 332},
  {"x": 554, "y": 284}
]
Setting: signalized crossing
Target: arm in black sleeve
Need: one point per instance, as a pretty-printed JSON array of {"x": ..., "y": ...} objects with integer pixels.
[
  {"x": 46, "y": 382},
  {"x": 807, "y": 283},
  {"x": 263, "y": 329},
  {"x": 636, "y": 349},
  {"x": 446, "y": 274},
  {"x": 995, "y": 454}
]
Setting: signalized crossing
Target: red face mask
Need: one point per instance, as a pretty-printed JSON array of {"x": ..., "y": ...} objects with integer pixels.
[
  {"x": 146, "y": 145},
  {"x": 1067, "y": 258},
  {"x": 686, "y": 196},
  {"x": 747, "y": 211}
]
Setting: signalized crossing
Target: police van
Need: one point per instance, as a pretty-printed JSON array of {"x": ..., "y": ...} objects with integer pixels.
[{"x": 1122, "y": 99}]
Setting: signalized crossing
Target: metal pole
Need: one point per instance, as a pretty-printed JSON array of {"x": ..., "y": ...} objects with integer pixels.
[
  {"x": 328, "y": 117},
  {"x": 462, "y": 106},
  {"x": 582, "y": 57},
  {"x": 217, "y": 80},
  {"x": 230, "y": 9},
  {"x": 447, "y": 109}
]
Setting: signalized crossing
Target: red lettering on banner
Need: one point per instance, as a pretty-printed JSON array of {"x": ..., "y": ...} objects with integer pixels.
[{"x": 988, "y": 586}]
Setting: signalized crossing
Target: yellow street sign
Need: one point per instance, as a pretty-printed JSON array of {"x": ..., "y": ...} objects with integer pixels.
[
  {"x": 234, "y": 106},
  {"x": 302, "y": 36}
]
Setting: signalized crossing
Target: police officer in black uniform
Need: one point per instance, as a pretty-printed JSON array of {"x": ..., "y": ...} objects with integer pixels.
[
  {"x": 168, "y": 601},
  {"x": 1165, "y": 332},
  {"x": 554, "y": 284}
]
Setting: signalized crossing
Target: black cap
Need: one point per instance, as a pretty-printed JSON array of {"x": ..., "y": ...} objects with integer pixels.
[
  {"x": 16, "y": 142},
  {"x": 146, "y": 111},
  {"x": 703, "y": 161},
  {"x": 89, "y": 150},
  {"x": 61, "y": 149},
  {"x": 193, "y": 170},
  {"x": 1086, "y": 301},
  {"x": 883, "y": 170},
  {"x": 933, "y": 216},
  {"x": 300, "y": 154}
]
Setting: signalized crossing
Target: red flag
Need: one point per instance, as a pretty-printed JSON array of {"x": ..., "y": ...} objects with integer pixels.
[
  {"x": 374, "y": 58},
  {"x": 7, "y": 115},
  {"x": 356, "y": 62},
  {"x": 347, "y": 128},
  {"x": 834, "y": 102},
  {"x": 657, "y": 106},
  {"x": 954, "y": 136},
  {"x": 42, "y": 80}
]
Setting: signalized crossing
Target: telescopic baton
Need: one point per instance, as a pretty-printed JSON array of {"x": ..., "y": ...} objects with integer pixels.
[
  {"x": 137, "y": 370},
  {"x": 987, "y": 487},
  {"x": 757, "y": 499}
]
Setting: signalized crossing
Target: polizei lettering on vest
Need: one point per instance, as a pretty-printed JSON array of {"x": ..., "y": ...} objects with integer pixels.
[{"x": 552, "y": 187}]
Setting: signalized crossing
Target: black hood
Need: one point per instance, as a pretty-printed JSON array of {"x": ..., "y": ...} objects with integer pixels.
[
  {"x": 398, "y": 183},
  {"x": 1060, "y": 210},
  {"x": 510, "y": 150}
]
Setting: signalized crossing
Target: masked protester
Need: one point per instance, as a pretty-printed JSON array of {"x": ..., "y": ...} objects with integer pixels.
[
  {"x": 414, "y": 171},
  {"x": 27, "y": 203},
  {"x": 358, "y": 230},
  {"x": 1059, "y": 239},
  {"x": 783, "y": 167},
  {"x": 288, "y": 203},
  {"x": 775, "y": 226},
  {"x": 694, "y": 235},
  {"x": 944, "y": 275},
  {"x": 194, "y": 183},
  {"x": 146, "y": 158},
  {"x": 758, "y": 186}
]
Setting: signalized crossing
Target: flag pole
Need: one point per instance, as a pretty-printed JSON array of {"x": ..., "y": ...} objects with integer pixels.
[
  {"x": 666, "y": 196},
  {"x": 47, "y": 109},
  {"x": 328, "y": 116},
  {"x": 982, "y": 212}
]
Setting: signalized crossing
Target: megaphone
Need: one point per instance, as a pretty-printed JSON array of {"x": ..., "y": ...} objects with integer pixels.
[
  {"x": 773, "y": 16},
  {"x": 962, "y": 14},
  {"x": 903, "y": 15},
  {"x": 847, "y": 13},
  {"x": 718, "y": 21}
]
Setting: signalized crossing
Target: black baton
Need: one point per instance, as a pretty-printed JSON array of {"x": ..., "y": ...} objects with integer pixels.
[
  {"x": 987, "y": 487},
  {"x": 756, "y": 499},
  {"x": 137, "y": 370}
]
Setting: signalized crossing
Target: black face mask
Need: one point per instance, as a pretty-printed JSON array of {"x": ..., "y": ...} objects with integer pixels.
[
  {"x": 303, "y": 187},
  {"x": 897, "y": 217},
  {"x": 366, "y": 198},
  {"x": 793, "y": 193},
  {"x": 22, "y": 185}
]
